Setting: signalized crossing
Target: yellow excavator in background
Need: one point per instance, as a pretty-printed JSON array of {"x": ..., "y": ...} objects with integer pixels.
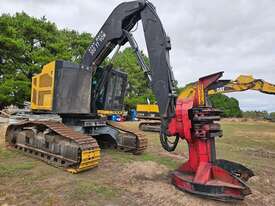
[{"x": 149, "y": 112}]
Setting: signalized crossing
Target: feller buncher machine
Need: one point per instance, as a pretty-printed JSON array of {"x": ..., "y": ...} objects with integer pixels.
[
  {"x": 150, "y": 112},
  {"x": 63, "y": 125}
]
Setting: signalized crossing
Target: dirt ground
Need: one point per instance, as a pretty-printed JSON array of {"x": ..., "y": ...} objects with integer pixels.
[{"x": 124, "y": 179}]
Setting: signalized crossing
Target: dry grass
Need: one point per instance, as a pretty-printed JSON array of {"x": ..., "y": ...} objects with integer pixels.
[{"x": 124, "y": 179}]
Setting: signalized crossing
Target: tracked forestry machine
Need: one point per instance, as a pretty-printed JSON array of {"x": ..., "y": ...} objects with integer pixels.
[{"x": 64, "y": 123}]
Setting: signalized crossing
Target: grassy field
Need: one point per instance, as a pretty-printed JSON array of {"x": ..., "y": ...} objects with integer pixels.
[{"x": 125, "y": 179}]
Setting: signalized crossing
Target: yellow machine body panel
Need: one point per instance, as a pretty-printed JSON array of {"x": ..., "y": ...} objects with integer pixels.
[
  {"x": 43, "y": 88},
  {"x": 89, "y": 159},
  {"x": 188, "y": 91},
  {"x": 244, "y": 79},
  {"x": 104, "y": 113},
  {"x": 150, "y": 108}
]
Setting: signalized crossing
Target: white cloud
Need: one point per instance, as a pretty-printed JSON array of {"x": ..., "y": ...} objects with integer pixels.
[{"x": 234, "y": 36}]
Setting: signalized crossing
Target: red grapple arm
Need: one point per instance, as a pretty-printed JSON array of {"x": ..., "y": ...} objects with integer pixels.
[{"x": 203, "y": 174}]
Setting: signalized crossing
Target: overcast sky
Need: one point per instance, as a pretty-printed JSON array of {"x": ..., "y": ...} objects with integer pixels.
[{"x": 234, "y": 36}]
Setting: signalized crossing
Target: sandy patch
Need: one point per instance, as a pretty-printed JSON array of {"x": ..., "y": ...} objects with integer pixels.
[
  {"x": 144, "y": 170},
  {"x": 150, "y": 184}
]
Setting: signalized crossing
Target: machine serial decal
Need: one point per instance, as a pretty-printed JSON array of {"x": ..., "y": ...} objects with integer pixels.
[{"x": 98, "y": 40}]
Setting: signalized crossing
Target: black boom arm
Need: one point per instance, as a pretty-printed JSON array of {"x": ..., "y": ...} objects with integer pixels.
[{"x": 116, "y": 31}]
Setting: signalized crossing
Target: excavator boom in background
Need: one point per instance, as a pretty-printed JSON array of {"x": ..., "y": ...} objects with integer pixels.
[{"x": 242, "y": 83}]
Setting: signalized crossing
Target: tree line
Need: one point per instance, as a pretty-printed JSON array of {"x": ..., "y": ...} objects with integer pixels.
[{"x": 26, "y": 44}]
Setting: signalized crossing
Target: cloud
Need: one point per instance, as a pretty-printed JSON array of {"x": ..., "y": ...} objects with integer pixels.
[{"x": 234, "y": 36}]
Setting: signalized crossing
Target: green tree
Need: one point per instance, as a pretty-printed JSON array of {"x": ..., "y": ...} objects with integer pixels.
[
  {"x": 229, "y": 105},
  {"x": 139, "y": 89},
  {"x": 26, "y": 44}
]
